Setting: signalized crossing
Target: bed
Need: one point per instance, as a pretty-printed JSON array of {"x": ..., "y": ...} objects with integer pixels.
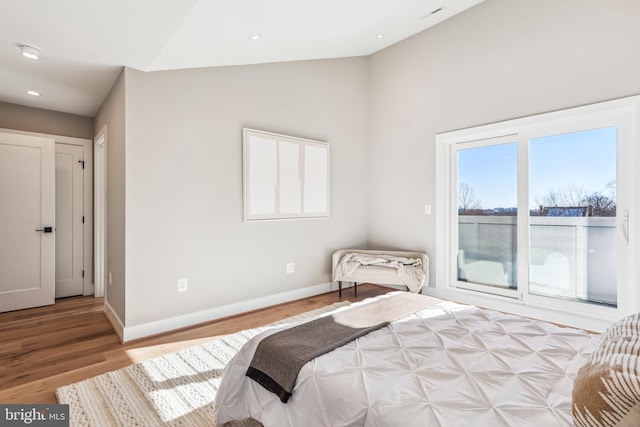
[{"x": 445, "y": 365}]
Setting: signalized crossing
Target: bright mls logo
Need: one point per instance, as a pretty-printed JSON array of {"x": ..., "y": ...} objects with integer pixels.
[{"x": 34, "y": 415}]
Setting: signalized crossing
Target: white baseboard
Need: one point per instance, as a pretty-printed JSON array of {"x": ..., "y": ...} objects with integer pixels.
[
  {"x": 159, "y": 326},
  {"x": 115, "y": 321}
]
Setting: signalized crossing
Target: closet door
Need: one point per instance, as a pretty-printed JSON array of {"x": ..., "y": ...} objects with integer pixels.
[{"x": 27, "y": 222}]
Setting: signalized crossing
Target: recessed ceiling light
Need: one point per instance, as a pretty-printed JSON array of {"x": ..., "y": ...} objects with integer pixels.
[
  {"x": 380, "y": 36},
  {"x": 33, "y": 93},
  {"x": 255, "y": 37},
  {"x": 29, "y": 51}
]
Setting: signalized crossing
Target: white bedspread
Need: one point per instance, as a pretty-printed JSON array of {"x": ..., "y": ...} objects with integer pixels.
[{"x": 448, "y": 365}]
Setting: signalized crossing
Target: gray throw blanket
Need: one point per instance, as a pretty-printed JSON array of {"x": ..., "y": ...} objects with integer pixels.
[{"x": 279, "y": 357}]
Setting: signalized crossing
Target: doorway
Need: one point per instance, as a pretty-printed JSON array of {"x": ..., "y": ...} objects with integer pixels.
[
  {"x": 69, "y": 220},
  {"x": 45, "y": 178}
]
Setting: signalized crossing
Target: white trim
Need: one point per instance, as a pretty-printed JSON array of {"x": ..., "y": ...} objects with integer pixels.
[
  {"x": 182, "y": 321},
  {"x": 58, "y": 138},
  {"x": 87, "y": 145},
  {"x": 624, "y": 114},
  {"x": 115, "y": 321},
  {"x": 585, "y": 320},
  {"x": 99, "y": 205},
  {"x": 249, "y": 138},
  {"x": 89, "y": 286}
]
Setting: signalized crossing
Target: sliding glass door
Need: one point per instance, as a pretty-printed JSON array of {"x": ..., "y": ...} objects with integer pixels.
[
  {"x": 572, "y": 225},
  {"x": 538, "y": 211},
  {"x": 487, "y": 176}
]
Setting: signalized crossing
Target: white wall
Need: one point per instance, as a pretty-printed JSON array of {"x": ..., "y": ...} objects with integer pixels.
[
  {"x": 499, "y": 60},
  {"x": 184, "y": 182}
]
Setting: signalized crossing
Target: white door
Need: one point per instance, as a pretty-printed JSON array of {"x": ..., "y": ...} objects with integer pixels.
[
  {"x": 69, "y": 220},
  {"x": 27, "y": 221}
]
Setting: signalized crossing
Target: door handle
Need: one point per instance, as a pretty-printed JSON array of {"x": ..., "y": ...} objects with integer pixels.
[
  {"x": 625, "y": 226},
  {"x": 46, "y": 230}
]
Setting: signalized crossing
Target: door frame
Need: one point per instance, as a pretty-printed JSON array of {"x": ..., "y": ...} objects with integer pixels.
[
  {"x": 87, "y": 144},
  {"x": 624, "y": 114},
  {"x": 100, "y": 210}
]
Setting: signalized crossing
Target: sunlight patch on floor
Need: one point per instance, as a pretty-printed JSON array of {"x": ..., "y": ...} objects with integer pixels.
[
  {"x": 140, "y": 354},
  {"x": 181, "y": 400}
]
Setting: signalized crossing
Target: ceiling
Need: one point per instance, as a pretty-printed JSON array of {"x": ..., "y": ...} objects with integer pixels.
[{"x": 85, "y": 43}]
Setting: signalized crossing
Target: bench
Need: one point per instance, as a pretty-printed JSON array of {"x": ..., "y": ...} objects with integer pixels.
[{"x": 375, "y": 274}]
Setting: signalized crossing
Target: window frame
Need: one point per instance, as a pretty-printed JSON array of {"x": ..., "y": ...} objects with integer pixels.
[
  {"x": 302, "y": 144},
  {"x": 621, "y": 113},
  {"x": 462, "y": 145}
]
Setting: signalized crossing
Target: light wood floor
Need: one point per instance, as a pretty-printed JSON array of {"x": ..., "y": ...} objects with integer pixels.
[{"x": 44, "y": 348}]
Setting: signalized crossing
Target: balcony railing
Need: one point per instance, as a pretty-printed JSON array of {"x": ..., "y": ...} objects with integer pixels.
[{"x": 569, "y": 257}]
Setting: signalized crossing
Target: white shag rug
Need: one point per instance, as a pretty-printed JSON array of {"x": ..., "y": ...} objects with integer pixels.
[{"x": 176, "y": 389}]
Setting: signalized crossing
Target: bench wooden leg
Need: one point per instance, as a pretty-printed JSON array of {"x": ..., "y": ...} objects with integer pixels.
[{"x": 355, "y": 288}]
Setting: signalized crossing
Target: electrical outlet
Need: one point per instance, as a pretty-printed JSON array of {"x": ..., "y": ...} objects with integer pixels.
[
  {"x": 427, "y": 209},
  {"x": 183, "y": 285},
  {"x": 291, "y": 267}
]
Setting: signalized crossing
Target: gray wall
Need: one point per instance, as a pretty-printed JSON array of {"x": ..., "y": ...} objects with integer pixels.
[
  {"x": 184, "y": 181},
  {"x": 112, "y": 114},
  {"x": 180, "y": 132},
  {"x": 29, "y": 119},
  {"x": 499, "y": 60}
]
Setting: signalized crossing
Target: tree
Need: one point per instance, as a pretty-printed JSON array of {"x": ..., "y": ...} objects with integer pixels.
[
  {"x": 601, "y": 205},
  {"x": 467, "y": 199},
  {"x": 567, "y": 196},
  {"x": 598, "y": 203}
]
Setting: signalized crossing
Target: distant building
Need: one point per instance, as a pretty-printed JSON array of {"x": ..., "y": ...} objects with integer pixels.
[
  {"x": 572, "y": 211},
  {"x": 489, "y": 212}
]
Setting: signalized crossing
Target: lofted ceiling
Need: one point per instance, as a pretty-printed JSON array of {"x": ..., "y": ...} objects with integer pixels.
[{"x": 85, "y": 43}]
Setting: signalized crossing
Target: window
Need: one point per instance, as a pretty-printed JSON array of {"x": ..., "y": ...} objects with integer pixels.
[
  {"x": 537, "y": 214},
  {"x": 572, "y": 221},
  {"x": 284, "y": 177},
  {"x": 487, "y": 207}
]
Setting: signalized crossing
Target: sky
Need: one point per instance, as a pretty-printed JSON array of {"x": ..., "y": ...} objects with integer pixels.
[{"x": 584, "y": 160}]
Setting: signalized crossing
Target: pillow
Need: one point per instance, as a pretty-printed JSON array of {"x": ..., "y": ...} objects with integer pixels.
[{"x": 606, "y": 391}]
